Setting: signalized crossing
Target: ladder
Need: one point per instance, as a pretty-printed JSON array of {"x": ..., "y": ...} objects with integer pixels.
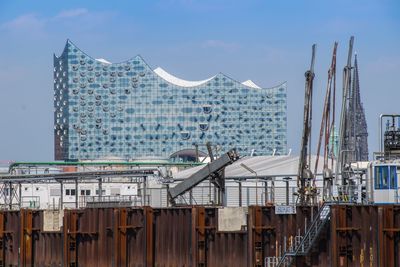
[{"x": 303, "y": 244}]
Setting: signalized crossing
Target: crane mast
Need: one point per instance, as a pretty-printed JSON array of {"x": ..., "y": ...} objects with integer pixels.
[
  {"x": 346, "y": 142},
  {"x": 304, "y": 177},
  {"x": 327, "y": 125}
]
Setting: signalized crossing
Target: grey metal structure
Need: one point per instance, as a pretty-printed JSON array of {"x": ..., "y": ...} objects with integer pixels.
[
  {"x": 353, "y": 145},
  {"x": 10, "y": 184},
  {"x": 303, "y": 244},
  {"x": 213, "y": 170},
  {"x": 346, "y": 149},
  {"x": 358, "y": 114},
  {"x": 327, "y": 124},
  {"x": 304, "y": 173}
]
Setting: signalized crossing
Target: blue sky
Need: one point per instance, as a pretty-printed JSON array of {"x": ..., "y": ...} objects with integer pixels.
[{"x": 266, "y": 41}]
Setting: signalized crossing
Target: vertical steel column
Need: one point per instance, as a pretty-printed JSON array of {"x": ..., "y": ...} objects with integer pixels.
[
  {"x": 26, "y": 238},
  {"x": 123, "y": 220},
  {"x": 381, "y": 243},
  {"x": 201, "y": 237},
  {"x": 386, "y": 236},
  {"x": 116, "y": 234},
  {"x": 255, "y": 230},
  {"x": 19, "y": 196},
  {"x": 266, "y": 192},
  {"x": 240, "y": 193},
  {"x": 10, "y": 194},
  {"x": 100, "y": 183},
  {"x": 149, "y": 230},
  {"x": 76, "y": 193},
  {"x": 62, "y": 195},
  {"x": 193, "y": 237},
  {"x": 70, "y": 257},
  {"x": 2, "y": 245},
  {"x": 334, "y": 239},
  {"x": 144, "y": 191},
  {"x": 342, "y": 244}
]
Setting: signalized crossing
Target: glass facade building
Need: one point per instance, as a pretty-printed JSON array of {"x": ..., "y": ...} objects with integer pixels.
[{"x": 128, "y": 110}]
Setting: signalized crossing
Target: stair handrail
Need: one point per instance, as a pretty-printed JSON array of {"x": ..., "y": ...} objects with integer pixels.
[
  {"x": 314, "y": 223},
  {"x": 307, "y": 232}
]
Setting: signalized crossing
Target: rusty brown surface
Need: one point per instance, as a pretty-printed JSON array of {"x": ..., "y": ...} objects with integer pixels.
[
  {"x": 2, "y": 263},
  {"x": 46, "y": 246},
  {"x": 188, "y": 236},
  {"x": 11, "y": 237},
  {"x": 26, "y": 237},
  {"x": 173, "y": 237}
]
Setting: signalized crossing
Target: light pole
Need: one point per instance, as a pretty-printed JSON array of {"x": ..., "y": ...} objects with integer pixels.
[
  {"x": 287, "y": 179},
  {"x": 254, "y": 172}
]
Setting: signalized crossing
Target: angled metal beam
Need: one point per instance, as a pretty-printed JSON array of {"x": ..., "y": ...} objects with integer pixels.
[{"x": 207, "y": 171}]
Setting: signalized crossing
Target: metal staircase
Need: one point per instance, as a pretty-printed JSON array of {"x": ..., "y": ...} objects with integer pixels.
[{"x": 302, "y": 244}]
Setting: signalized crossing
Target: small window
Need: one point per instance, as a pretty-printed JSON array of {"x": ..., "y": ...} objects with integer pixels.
[
  {"x": 103, "y": 192},
  {"x": 67, "y": 192},
  {"x": 393, "y": 177},
  {"x": 87, "y": 192},
  {"x": 185, "y": 135},
  {"x": 203, "y": 127},
  {"x": 382, "y": 177},
  {"x": 73, "y": 192},
  {"x": 207, "y": 109},
  {"x": 82, "y": 192}
]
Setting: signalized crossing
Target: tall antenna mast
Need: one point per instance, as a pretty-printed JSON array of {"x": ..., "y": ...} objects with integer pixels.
[
  {"x": 345, "y": 144},
  {"x": 327, "y": 124},
  {"x": 304, "y": 176}
]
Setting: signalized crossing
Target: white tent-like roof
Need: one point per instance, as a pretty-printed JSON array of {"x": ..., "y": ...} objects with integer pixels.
[{"x": 264, "y": 166}]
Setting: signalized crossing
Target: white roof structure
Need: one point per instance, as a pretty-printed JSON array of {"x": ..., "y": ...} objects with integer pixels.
[
  {"x": 185, "y": 83},
  {"x": 177, "y": 81},
  {"x": 265, "y": 166},
  {"x": 251, "y": 84},
  {"x": 102, "y": 60}
]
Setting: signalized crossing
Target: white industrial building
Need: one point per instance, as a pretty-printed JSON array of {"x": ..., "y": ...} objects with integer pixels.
[{"x": 266, "y": 183}]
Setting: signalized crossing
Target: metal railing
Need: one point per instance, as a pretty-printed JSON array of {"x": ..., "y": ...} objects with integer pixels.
[
  {"x": 112, "y": 201},
  {"x": 205, "y": 195},
  {"x": 31, "y": 202},
  {"x": 348, "y": 193},
  {"x": 302, "y": 244}
]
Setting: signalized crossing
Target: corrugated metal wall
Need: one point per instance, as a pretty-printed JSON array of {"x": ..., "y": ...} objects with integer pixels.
[{"x": 189, "y": 236}]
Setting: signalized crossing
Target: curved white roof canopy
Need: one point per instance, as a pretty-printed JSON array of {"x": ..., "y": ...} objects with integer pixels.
[
  {"x": 102, "y": 60},
  {"x": 177, "y": 81},
  {"x": 251, "y": 84},
  {"x": 184, "y": 83}
]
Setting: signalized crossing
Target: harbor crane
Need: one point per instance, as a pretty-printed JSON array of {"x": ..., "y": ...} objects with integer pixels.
[
  {"x": 327, "y": 128},
  {"x": 305, "y": 190}
]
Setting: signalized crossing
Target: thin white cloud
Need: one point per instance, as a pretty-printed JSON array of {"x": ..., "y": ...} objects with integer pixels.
[
  {"x": 71, "y": 13},
  {"x": 24, "y": 22},
  {"x": 228, "y": 46},
  {"x": 34, "y": 22}
]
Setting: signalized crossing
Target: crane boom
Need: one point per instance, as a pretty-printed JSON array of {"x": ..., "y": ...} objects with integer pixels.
[
  {"x": 304, "y": 174},
  {"x": 345, "y": 145}
]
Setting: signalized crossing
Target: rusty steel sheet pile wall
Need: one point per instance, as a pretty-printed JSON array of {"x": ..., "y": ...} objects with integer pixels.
[
  {"x": 172, "y": 237},
  {"x": 24, "y": 243},
  {"x": 190, "y": 237},
  {"x": 10, "y": 242},
  {"x": 365, "y": 235},
  {"x": 269, "y": 233}
]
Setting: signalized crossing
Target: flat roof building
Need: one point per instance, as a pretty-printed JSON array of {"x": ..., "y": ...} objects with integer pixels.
[{"x": 128, "y": 110}]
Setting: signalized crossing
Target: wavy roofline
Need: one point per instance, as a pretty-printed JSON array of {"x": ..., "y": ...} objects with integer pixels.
[
  {"x": 178, "y": 81},
  {"x": 200, "y": 82}
]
